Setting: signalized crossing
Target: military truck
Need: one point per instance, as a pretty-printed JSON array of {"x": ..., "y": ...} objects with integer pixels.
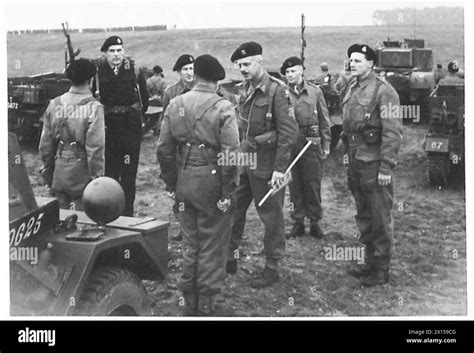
[
  {"x": 444, "y": 142},
  {"x": 28, "y": 98},
  {"x": 408, "y": 66},
  {"x": 67, "y": 262}
]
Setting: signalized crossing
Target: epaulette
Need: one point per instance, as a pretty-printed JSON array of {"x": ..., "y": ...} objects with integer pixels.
[{"x": 280, "y": 82}]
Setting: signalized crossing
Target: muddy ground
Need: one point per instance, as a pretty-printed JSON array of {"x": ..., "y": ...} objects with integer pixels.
[{"x": 428, "y": 273}]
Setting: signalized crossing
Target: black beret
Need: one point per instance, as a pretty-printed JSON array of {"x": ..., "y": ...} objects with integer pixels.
[
  {"x": 453, "y": 66},
  {"x": 157, "y": 69},
  {"x": 363, "y": 49},
  {"x": 183, "y": 60},
  {"x": 80, "y": 71},
  {"x": 246, "y": 49},
  {"x": 290, "y": 62},
  {"x": 209, "y": 68},
  {"x": 114, "y": 40}
]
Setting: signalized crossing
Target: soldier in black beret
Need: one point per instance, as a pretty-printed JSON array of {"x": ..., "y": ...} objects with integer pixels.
[
  {"x": 184, "y": 66},
  {"x": 270, "y": 132},
  {"x": 372, "y": 138},
  {"x": 73, "y": 138},
  {"x": 364, "y": 49},
  {"x": 202, "y": 127},
  {"x": 121, "y": 87},
  {"x": 312, "y": 117},
  {"x": 245, "y": 50}
]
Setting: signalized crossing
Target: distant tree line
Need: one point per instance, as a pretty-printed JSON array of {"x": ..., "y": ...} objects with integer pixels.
[
  {"x": 426, "y": 16},
  {"x": 92, "y": 30}
]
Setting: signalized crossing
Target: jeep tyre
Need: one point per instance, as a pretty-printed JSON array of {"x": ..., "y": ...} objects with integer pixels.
[{"x": 112, "y": 291}]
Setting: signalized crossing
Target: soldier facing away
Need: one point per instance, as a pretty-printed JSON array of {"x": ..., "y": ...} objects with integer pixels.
[
  {"x": 73, "y": 138},
  {"x": 122, "y": 90},
  {"x": 312, "y": 116},
  {"x": 270, "y": 132},
  {"x": 372, "y": 139},
  {"x": 197, "y": 126}
]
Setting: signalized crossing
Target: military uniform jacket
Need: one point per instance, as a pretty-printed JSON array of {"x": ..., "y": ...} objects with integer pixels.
[
  {"x": 385, "y": 115},
  {"x": 311, "y": 109},
  {"x": 216, "y": 129},
  {"x": 175, "y": 90},
  {"x": 84, "y": 117},
  {"x": 253, "y": 109},
  {"x": 156, "y": 86},
  {"x": 121, "y": 89}
]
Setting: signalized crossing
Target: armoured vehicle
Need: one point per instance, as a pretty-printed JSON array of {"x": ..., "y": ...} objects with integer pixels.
[
  {"x": 67, "y": 262},
  {"x": 444, "y": 142},
  {"x": 408, "y": 66}
]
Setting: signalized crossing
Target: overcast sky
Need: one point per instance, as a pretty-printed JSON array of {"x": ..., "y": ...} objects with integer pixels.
[{"x": 198, "y": 14}]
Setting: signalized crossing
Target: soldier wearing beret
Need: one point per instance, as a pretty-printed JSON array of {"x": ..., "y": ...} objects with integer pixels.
[
  {"x": 73, "y": 138},
  {"x": 270, "y": 132},
  {"x": 122, "y": 89},
  {"x": 198, "y": 125},
  {"x": 452, "y": 76},
  {"x": 184, "y": 66},
  {"x": 312, "y": 116},
  {"x": 372, "y": 139}
]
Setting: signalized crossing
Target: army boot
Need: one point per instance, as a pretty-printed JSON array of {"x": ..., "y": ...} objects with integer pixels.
[
  {"x": 378, "y": 276},
  {"x": 315, "y": 231},
  {"x": 268, "y": 277},
  {"x": 190, "y": 303},
  {"x": 297, "y": 230},
  {"x": 361, "y": 271},
  {"x": 206, "y": 305},
  {"x": 177, "y": 237},
  {"x": 231, "y": 267}
]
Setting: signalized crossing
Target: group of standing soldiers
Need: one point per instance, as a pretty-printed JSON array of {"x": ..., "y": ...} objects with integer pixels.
[{"x": 269, "y": 119}]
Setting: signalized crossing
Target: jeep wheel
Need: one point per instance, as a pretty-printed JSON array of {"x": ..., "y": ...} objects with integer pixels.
[
  {"x": 112, "y": 291},
  {"x": 438, "y": 169}
]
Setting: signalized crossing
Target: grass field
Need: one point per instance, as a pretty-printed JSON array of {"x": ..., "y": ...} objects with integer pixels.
[
  {"x": 31, "y": 54},
  {"x": 428, "y": 275}
]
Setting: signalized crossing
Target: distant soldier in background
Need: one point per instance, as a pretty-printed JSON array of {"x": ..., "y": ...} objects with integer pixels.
[
  {"x": 312, "y": 116},
  {"x": 452, "y": 77},
  {"x": 73, "y": 138},
  {"x": 344, "y": 78},
  {"x": 122, "y": 89},
  {"x": 184, "y": 66},
  {"x": 324, "y": 77},
  {"x": 156, "y": 85},
  {"x": 439, "y": 73},
  {"x": 372, "y": 141},
  {"x": 197, "y": 126}
]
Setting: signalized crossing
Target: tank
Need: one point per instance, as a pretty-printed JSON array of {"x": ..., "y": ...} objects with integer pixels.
[
  {"x": 444, "y": 141},
  {"x": 67, "y": 262},
  {"x": 408, "y": 66}
]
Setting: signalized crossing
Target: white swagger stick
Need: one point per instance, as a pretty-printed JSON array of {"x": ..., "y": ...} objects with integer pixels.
[{"x": 275, "y": 189}]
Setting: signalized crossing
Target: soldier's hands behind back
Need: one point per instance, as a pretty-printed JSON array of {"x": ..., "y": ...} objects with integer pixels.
[
  {"x": 224, "y": 205},
  {"x": 384, "y": 179}
]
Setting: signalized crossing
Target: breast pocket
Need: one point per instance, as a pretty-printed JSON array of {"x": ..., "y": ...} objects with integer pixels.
[
  {"x": 257, "y": 118},
  {"x": 306, "y": 113}
]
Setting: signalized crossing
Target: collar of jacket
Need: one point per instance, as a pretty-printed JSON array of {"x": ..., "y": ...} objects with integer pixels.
[
  {"x": 263, "y": 84},
  {"x": 183, "y": 85},
  {"x": 78, "y": 90},
  {"x": 205, "y": 87},
  {"x": 366, "y": 80},
  {"x": 302, "y": 87}
]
